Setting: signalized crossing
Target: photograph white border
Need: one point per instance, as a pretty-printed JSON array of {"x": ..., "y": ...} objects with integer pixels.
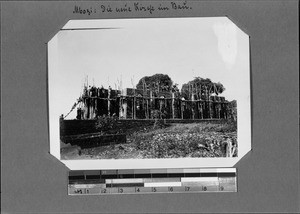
[{"x": 243, "y": 135}]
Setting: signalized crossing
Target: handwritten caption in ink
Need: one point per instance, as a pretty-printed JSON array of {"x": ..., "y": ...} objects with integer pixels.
[{"x": 133, "y": 7}]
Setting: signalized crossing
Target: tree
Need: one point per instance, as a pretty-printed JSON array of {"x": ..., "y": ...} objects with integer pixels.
[
  {"x": 156, "y": 82},
  {"x": 201, "y": 87}
]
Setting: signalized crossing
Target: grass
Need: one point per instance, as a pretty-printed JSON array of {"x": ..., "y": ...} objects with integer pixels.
[{"x": 174, "y": 141}]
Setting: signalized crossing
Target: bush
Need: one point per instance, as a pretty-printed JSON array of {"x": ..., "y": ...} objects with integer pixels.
[
  {"x": 171, "y": 145},
  {"x": 155, "y": 114},
  {"x": 186, "y": 140},
  {"x": 106, "y": 123},
  {"x": 231, "y": 126}
]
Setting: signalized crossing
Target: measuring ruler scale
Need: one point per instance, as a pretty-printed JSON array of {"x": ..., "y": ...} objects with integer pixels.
[{"x": 139, "y": 181}]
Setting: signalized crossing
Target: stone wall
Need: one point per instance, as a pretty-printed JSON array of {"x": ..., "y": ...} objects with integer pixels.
[
  {"x": 83, "y": 133},
  {"x": 78, "y": 127},
  {"x": 194, "y": 121},
  {"x": 94, "y": 141}
]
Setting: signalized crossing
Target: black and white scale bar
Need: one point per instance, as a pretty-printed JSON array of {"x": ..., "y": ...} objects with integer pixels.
[{"x": 100, "y": 182}]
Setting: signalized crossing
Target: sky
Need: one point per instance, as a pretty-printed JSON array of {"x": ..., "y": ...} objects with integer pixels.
[{"x": 129, "y": 49}]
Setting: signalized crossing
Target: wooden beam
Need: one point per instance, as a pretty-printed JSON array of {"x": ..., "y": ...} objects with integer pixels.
[
  {"x": 108, "y": 102},
  {"x": 147, "y": 109},
  {"x": 181, "y": 108},
  {"x": 173, "y": 105}
]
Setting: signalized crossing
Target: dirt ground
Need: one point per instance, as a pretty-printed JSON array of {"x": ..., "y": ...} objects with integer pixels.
[{"x": 175, "y": 141}]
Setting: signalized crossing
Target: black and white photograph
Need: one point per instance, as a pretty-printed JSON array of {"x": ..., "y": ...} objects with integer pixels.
[{"x": 159, "y": 88}]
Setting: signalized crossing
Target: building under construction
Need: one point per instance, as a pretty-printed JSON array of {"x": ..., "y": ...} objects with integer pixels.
[{"x": 133, "y": 103}]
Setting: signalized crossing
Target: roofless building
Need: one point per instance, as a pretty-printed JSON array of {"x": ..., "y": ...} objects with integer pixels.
[{"x": 130, "y": 103}]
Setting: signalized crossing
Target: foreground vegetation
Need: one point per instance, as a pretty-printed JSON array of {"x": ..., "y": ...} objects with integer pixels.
[{"x": 173, "y": 141}]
